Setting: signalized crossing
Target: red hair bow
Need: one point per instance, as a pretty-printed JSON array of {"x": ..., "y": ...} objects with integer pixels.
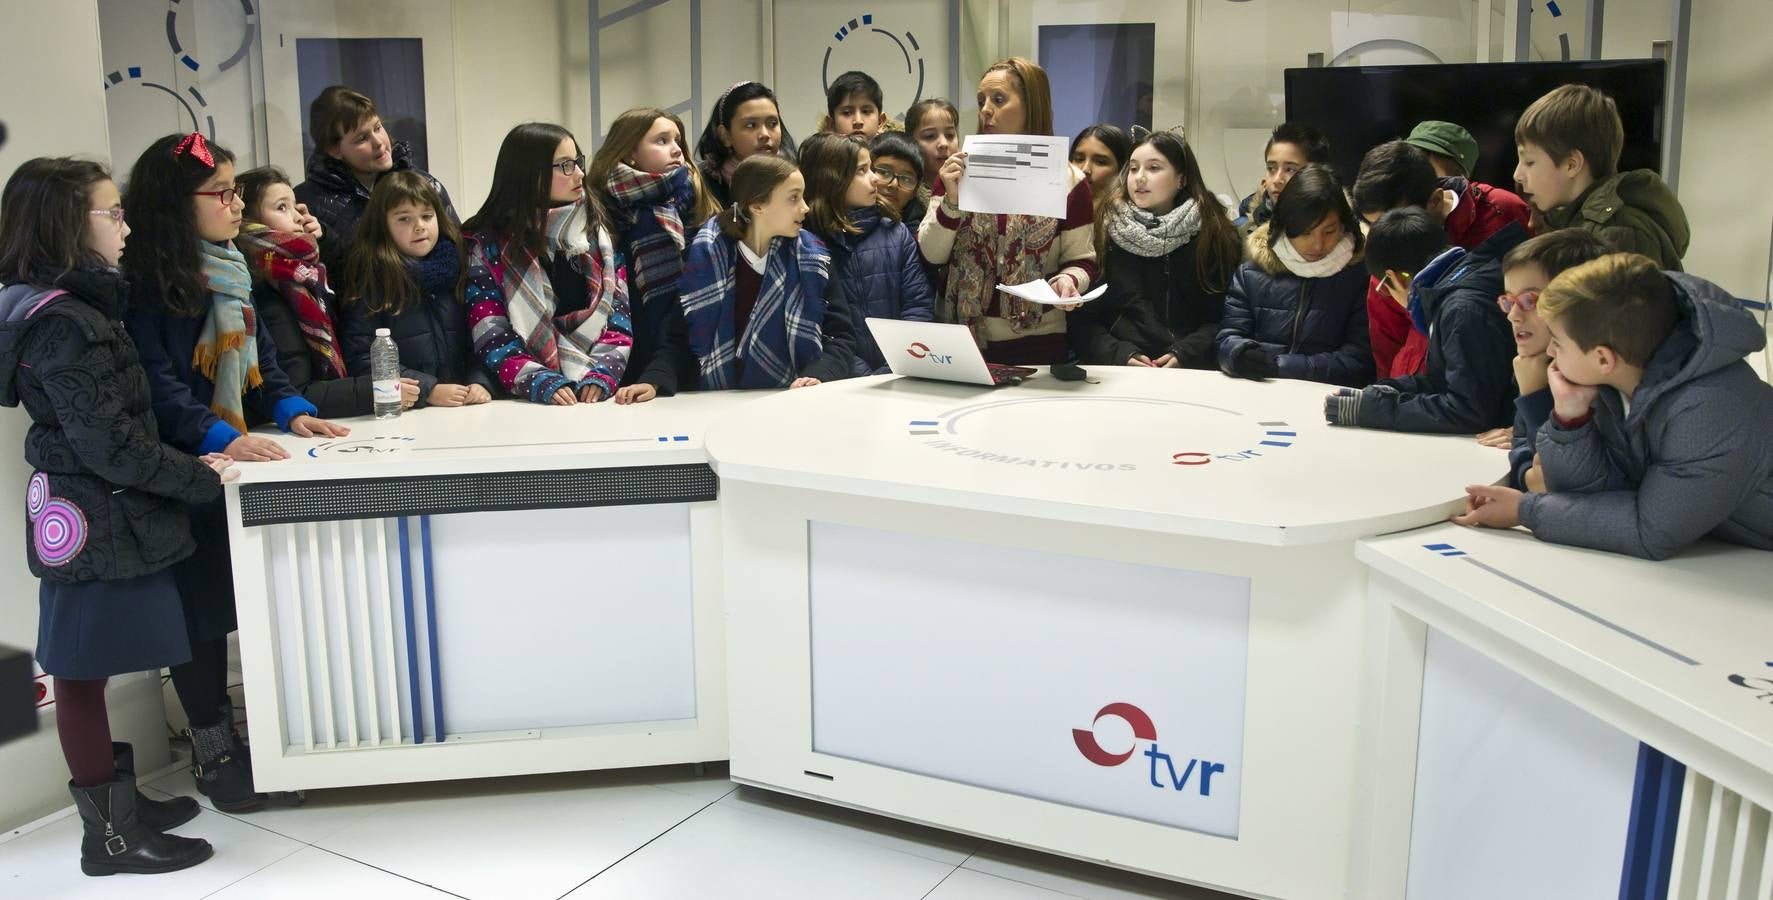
[{"x": 195, "y": 145}]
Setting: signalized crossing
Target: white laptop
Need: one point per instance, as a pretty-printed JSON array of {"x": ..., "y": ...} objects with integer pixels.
[{"x": 939, "y": 352}]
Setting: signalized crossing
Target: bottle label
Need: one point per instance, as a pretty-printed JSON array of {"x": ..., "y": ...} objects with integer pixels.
[{"x": 387, "y": 391}]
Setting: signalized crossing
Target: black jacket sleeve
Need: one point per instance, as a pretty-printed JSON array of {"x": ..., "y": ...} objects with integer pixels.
[
  {"x": 840, "y": 338},
  {"x": 672, "y": 354},
  {"x": 1091, "y": 327},
  {"x": 1479, "y": 372},
  {"x": 184, "y": 421},
  {"x": 110, "y": 442},
  {"x": 1195, "y": 349},
  {"x": 334, "y": 397},
  {"x": 1530, "y": 413}
]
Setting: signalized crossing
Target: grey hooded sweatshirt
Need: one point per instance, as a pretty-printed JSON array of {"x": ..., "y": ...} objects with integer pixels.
[{"x": 1695, "y": 450}]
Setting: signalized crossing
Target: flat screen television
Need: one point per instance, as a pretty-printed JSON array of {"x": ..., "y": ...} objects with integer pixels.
[{"x": 1358, "y": 107}]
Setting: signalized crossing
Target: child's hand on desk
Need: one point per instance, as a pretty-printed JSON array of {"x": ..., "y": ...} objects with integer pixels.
[
  {"x": 635, "y": 393},
  {"x": 1490, "y": 506},
  {"x": 1500, "y": 438},
  {"x": 308, "y": 426},
  {"x": 253, "y": 448},
  {"x": 478, "y": 394}
]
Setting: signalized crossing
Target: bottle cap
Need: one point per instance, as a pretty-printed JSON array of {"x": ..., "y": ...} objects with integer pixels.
[{"x": 382, "y": 332}]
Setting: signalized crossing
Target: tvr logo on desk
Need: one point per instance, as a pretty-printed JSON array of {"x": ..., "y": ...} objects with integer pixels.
[
  {"x": 921, "y": 350},
  {"x": 1198, "y": 771}
]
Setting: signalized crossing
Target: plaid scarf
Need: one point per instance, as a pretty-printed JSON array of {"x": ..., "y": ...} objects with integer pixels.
[
  {"x": 649, "y": 210},
  {"x": 593, "y": 343},
  {"x": 227, "y": 349},
  {"x": 291, "y": 262},
  {"x": 783, "y": 334}
]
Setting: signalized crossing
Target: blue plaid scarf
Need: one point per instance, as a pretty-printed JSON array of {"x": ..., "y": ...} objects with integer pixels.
[{"x": 783, "y": 334}]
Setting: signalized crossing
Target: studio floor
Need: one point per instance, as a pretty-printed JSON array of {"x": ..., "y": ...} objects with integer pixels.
[{"x": 635, "y": 834}]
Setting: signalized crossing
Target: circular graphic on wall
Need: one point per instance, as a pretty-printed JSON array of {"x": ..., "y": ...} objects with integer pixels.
[
  {"x": 894, "y": 59},
  {"x": 1123, "y": 434},
  {"x": 249, "y": 27},
  {"x": 201, "y": 118}
]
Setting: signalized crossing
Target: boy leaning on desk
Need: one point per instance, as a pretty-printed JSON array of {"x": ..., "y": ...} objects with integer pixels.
[{"x": 1661, "y": 432}]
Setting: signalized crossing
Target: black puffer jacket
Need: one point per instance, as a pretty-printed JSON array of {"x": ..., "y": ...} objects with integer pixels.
[
  {"x": 432, "y": 334},
  {"x": 336, "y": 398},
  {"x": 104, "y": 501},
  {"x": 1316, "y": 328},
  {"x": 1154, "y": 305},
  {"x": 337, "y": 199}
]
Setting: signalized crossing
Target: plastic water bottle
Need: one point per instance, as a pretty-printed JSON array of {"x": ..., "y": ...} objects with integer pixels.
[{"x": 384, "y": 371}]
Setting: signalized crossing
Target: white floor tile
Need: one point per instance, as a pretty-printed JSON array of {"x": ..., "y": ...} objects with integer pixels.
[
  {"x": 324, "y": 813},
  {"x": 734, "y": 855},
  {"x": 1080, "y": 879},
  {"x": 892, "y": 834},
  {"x": 313, "y": 872},
  {"x": 45, "y": 864},
  {"x": 966, "y": 884},
  {"x": 519, "y": 838}
]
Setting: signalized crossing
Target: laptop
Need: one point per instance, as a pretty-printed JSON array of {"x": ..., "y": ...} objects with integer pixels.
[{"x": 939, "y": 352}]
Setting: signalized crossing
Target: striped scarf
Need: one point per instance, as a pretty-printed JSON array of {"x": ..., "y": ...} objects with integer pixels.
[
  {"x": 783, "y": 334},
  {"x": 593, "y": 343},
  {"x": 291, "y": 262},
  {"x": 227, "y": 349},
  {"x": 649, "y": 209}
]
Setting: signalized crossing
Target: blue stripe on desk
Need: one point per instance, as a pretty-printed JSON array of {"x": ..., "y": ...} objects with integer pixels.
[
  {"x": 1650, "y": 832},
  {"x": 1277, "y": 443},
  {"x": 412, "y": 638},
  {"x": 1283, "y": 434},
  {"x": 431, "y": 628}
]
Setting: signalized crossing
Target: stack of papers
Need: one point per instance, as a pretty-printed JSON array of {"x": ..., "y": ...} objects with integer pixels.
[{"x": 1041, "y": 292}]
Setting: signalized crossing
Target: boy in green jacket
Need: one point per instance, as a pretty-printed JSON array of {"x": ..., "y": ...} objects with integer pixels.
[{"x": 1568, "y": 142}]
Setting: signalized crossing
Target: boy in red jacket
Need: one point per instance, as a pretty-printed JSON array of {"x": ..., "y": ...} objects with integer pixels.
[{"x": 1397, "y": 174}]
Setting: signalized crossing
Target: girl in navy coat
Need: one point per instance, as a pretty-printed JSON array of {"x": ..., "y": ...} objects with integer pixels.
[
  {"x": 874, "y": 259},
  {"x": 1298, "y": 308},
  {"x": 213, "y": 376},
  {"x": 401, "y": 274},
  {"x": 104, "y": 512}
]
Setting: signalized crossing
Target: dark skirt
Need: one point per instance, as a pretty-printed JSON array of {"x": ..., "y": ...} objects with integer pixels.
[
  {"x": 96, "y": 629},
  {"x": 206, "y": 577}
]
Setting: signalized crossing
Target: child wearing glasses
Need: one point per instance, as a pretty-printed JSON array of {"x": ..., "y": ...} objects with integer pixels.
[
  {"x": 1526, "y": 270},
  {"x": 105, "y": 520},
  {"x": 214, "y": 376},
  {"x": 874, "y": 259},
  {"x": 546, "y": 291}
]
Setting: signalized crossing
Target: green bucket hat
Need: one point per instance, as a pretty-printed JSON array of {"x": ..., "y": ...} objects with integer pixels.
[{"x": 1448, "y": 140}]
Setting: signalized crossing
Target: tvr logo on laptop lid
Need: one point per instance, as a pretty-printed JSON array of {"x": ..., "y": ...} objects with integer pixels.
[{"x": 921, "y": 350}]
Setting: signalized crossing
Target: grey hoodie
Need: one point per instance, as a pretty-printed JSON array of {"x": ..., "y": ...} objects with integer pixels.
[{"x": 1696, "y": 449}]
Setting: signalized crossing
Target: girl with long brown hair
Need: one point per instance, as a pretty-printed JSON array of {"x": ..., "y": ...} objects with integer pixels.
[{"x": 401, "y": 274}]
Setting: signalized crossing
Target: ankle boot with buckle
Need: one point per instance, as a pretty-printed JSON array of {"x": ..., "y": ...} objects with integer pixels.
[
  {"x": 220, "y": 769},
  {"x": 116, "y": 840},
  {"x": 159, "y": 815}
]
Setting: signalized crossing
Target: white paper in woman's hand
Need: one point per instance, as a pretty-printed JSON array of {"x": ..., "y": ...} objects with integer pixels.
[{"x": 1041, "y": 292}]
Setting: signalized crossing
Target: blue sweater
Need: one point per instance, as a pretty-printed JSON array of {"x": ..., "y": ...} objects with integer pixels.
[{"x": 182, "y": 394}]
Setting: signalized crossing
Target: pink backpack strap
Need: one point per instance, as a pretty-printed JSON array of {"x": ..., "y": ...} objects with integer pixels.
[{"x": 44, "y": 301}]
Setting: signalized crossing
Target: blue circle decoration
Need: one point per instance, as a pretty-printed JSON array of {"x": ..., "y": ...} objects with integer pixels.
[{"x": 908, "y": 48}]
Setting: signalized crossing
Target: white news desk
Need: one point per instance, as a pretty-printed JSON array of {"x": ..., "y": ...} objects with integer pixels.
[
  {"x": 1120, "y": 621},
  {"x": 491, "y": 590},
  {"x": 1603, "y": 723}
]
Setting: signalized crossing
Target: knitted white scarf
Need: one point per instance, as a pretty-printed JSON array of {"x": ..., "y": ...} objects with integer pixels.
[{"x": 1337, "y": 260}]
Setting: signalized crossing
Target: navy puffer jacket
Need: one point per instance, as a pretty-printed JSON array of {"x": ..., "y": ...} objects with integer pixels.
[
  {"x": 882, "y": 275},
  {"x": 1315, "y": 327}
]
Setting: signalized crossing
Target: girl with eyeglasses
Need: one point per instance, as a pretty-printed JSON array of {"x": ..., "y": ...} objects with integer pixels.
[
  {"x": 104, "y": 507},
  {"x": 214, "y": 376},
  {"x": 874, "y": 259},
  {"x": 546, "y": 294}
]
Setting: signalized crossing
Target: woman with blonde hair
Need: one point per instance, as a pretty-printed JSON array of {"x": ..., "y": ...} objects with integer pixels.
[{"x": 982, "y": 251}]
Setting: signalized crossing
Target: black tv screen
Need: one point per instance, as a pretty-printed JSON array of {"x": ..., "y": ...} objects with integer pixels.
[{"x": 1359, "y": 107}]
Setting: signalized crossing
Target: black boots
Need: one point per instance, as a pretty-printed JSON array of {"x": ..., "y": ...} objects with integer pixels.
[
  {"x": 221, "y": 769},
  {"x": 160, "y": 815},
  {"x": 117, "y": 840}
]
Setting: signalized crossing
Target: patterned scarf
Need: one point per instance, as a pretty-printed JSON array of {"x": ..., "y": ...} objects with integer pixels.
[
  {"x": 1337, "y": 260},
  {"x": 784, "y": 332},
  {"x": 291, "y": 262},
  {"x": 228, "y": 349},
  {"x": 986, "y": 256},
  {"x": 649, "y": 209},
  {"x": 593, "y": 343},
  {"x": 1144, "y": 234}
]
